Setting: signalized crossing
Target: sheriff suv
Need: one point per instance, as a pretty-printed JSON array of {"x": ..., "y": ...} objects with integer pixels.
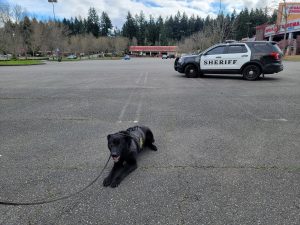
[{"x": 250, "y": 59}]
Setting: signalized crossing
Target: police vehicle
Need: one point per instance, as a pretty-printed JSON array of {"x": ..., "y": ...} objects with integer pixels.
[{"x": 250, "y": 59}]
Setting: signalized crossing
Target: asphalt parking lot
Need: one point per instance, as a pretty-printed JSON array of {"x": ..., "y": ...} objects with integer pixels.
[{"x": 228, "y": 149}]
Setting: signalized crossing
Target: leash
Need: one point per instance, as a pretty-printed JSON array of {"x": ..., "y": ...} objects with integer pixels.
[
  {"x": 41, "y": 202},
  {"x": 56, "y": 199}
]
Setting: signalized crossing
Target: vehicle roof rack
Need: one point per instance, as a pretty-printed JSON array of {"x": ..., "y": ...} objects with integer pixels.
[{"x": 230, "y": 41}]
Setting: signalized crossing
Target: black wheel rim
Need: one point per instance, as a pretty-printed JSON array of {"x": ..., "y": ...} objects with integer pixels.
[
  {"x": 191, "y": 71},
  {"x": 252, "y": 72}
]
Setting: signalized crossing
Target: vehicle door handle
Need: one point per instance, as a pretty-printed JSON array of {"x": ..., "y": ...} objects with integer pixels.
[
  {"x": 244, "y": 55},
  {"x": 218, "y": 57}
]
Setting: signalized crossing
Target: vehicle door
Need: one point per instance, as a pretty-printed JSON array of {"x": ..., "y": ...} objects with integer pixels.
[
  {"x": 210, "y": 59},
  {"x": 236, "y": 55}
]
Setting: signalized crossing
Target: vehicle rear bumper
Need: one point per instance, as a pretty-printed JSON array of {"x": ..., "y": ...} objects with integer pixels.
[{"x": 273, "y": 68}]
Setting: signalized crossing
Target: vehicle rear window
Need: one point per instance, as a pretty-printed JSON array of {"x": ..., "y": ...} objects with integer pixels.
[
  {"x": 261, "y": 48},
  {"x": 232, "y": 49},
  {"x": 276, "y": 48}
]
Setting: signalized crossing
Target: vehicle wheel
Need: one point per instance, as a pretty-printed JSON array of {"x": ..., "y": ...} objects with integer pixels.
[
  {"x": 191, "y": 71},
  {"x": 251, "y": 72}
]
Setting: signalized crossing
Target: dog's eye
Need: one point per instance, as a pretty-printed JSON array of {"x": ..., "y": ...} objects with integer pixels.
[{"x": 116, "y": 142}]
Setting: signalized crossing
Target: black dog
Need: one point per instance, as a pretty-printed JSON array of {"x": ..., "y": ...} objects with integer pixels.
[{"x": 124, "y": 147}]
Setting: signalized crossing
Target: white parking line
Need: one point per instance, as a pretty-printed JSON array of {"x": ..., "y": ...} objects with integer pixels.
[
  {"x": 280, "y": 120},
  {"x": 142, "y": 95},
  {"x": 129, "y": 100}
]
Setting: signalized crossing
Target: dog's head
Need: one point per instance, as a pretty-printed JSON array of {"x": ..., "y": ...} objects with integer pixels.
[{"x": 117, "y": 143}]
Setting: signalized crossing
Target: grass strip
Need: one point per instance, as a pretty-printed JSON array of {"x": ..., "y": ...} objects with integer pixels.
[
  {"x": 20, "y": 62},
  {"x": 294, "y": 58}
]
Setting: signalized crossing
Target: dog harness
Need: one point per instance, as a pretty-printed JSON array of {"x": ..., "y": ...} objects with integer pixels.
[{"x": 138, "y": 136}]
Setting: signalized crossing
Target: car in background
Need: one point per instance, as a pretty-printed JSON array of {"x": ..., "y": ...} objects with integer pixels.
[
  {"x": 5, "y": 57},
  {"x": 126, "y": 57},
  {"x": 164, "y": 56},
  {"x": 171, "y": 56},
  {"x": 72, "y": 56}
]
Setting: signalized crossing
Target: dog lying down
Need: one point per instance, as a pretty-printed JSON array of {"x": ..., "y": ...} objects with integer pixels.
[{"x": 124, "y": 147}]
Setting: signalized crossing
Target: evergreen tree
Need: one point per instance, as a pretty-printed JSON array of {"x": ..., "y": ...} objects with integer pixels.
[
  {"x": 162, "y": 35},
  {"x": 199, "y": 24},
  {"x": 176, "y": 28},
  {"x": 273, "y": 18},
  {"x": 152, "y": 31},
  {"x": 130, "y": 27},
  {"x": 242, "y": 24},
  {"x": 78, "y": 26},
  {"x": 169, "y": 24},
  {"x": 184, "y": 26},
  {"x": 92, "y": 25},
  {"x": 141, "y": 28},
  {"x": 105, "y": 24}
]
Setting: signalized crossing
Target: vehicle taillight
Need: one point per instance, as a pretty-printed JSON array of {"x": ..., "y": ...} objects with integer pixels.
[{"x": 275, "y": 55}]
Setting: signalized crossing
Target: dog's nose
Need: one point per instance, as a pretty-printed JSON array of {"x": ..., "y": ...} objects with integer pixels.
[{"x": 114, "y": 155}]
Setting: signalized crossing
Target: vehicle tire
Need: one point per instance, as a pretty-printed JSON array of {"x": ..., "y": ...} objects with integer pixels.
[
  {"x": 251, "y": 72},
  {"x": 191, "y": 71}
]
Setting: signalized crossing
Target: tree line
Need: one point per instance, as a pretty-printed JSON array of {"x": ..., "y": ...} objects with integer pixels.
[{"x": 20, "y": 34}]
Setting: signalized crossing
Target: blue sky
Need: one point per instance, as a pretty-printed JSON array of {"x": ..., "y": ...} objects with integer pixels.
[{"x": 117, "y": 9}]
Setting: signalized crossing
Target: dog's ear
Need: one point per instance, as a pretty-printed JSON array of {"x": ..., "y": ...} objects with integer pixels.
[{"x": 108, "y": 137}]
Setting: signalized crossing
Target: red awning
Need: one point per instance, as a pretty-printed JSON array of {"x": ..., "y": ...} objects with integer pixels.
[{"x": 153, "y": 48}]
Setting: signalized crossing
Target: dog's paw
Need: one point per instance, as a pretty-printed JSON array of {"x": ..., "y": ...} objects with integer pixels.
[
  {"x": 115, "y": 183},
  {"x": 153, "y": 147},
  {"x": 106, "y": 181}
]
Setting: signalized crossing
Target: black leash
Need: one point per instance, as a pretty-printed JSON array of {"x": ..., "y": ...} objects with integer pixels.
[{"x": 56, "y": 199}]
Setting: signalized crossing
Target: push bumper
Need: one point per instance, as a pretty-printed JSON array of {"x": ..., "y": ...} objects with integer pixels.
[{"x": 178, "y": 67}]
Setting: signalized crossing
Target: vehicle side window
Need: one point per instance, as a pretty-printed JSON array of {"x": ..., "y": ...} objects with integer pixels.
[
  {"x": 216, "y": 51},
  {"x": 232, "y": 49}
]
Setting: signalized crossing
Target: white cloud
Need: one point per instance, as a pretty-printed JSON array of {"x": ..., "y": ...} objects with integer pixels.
[{"x": 117, "y": 9}]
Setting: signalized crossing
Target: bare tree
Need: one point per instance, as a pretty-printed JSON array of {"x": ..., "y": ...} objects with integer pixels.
[
  {"x": 88, "y": 44},
  {"x": 36, "y": 36},
  {"x": 200, "y": 41},
  {"x": 120, "y": 44},
  {"x": 13, "y": 39},
  {"x": 4, "y": 14},
  {"x": 18, "y": 13},
  {"x": 11, "y": 36}
]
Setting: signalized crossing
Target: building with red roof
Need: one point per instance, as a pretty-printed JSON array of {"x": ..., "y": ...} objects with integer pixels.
[{"x": 153, "y": 50}]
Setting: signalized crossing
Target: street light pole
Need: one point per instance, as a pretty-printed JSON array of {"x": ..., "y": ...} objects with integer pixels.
[
  {"x": 53, "y": 1},
  {"x": 14, "y": 43},
  {"x": 248, "y": 23},
  {"x": 57, "y": 49}
]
